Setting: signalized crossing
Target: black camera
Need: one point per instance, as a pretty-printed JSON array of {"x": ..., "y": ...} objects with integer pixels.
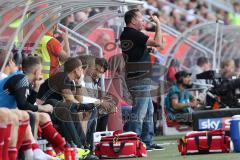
[{"x": 224, "y": 91}]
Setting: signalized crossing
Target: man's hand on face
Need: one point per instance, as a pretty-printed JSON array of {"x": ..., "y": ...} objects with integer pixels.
[
  {"x": 37, "y": 83},
  {"x": 78, "y": 81}
]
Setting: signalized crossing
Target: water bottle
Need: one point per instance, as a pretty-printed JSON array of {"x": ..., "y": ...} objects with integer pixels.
[
  {"x": 235, "y": 132},
  {"x": 73, "y": 153},
  {"x": 68, "y": 152},
  {"x": 49, "y": 151},
  {"x": 74, "y": 146}
]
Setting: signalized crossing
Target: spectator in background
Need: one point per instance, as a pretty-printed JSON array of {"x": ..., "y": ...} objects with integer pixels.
[
  {"x": 201, "y": 66},
  {"x": 191, "y": 20},
  {"x": 80, "y": 17},
  {"x": 180, "y": 3},
  {"x": 151, "y": 6},
  {"x": 87, "y": 11},
  {"x": 234, "y": 18},
  {"x": 164, "y": 18},
  {"x": 172, "y": 70},
  {"x": 94, "y": 11},
  {"x": 223, "y": 15},
  {"x": 202, "y": 9},
  {"x": 191, "y": 10},
  {"x": 175, "y": 18},
  {"x": 69, "y": 21},
  {"x": 210, "y": 16},
  {"x": 228, "y": 69}
]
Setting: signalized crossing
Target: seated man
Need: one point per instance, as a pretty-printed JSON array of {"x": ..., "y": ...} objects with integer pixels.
[
  {"x": 64, "y": 91},
  {"x": 32, "y": 69},
  {"x": 93, "y": 69},
  {"x": 109, "y": 101},
  {"x": 179, "y": 101},
  {"x": 18, "y": 128},
  {"x": 21, "y": 90},
  {"x": 88, "y": 65}
]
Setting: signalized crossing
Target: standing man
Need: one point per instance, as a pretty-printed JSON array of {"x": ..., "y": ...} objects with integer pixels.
[
  {"x": 134, "y": 44},
  {"x": 52, "y": 52},
  {"x": 201, "y": 66}
]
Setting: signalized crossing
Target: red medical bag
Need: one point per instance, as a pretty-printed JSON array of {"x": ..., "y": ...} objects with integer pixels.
[
  {"x": 121, "y": 146},
  {"x": 204, "y": 142}
]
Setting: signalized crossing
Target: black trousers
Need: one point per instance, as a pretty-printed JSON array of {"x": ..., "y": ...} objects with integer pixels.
[
  {"x": 102, "y": 123},
  {"x": 69, "y": 123}
]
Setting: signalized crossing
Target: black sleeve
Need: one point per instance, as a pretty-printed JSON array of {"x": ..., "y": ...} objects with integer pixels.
[
  {"x": 43, "y": 91},
  {"x": 140, "y": 38},
  {"x": 81, "y": 107},
  {"x": 18, "y": 86},
  {"x": 22, "y": 100},
  {"x": 59, "y": 82},
  {"x": 32, "y": 97},
  {"x": 74, "y": 107}
]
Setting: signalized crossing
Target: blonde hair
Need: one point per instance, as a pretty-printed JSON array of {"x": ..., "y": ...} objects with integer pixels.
[{"x": 228, "y": 62}]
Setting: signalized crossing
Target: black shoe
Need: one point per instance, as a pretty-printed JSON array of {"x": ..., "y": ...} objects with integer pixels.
[
  {"x": 157, "y": 147},
  {"x": 149, "y": 149}
]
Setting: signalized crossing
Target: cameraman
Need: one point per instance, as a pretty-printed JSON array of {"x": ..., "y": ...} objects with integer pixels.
[
  {"x": 179, "y": 101},
  {"x": 228, "y": 69}
]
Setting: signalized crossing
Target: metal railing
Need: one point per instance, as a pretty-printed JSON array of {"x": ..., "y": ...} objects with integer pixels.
[{"x": 55, "y": 8}]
